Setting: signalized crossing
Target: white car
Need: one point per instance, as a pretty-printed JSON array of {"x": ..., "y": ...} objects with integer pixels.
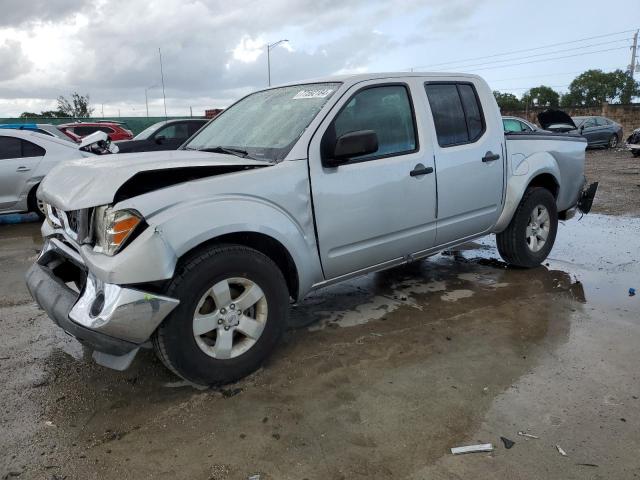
[{"x": 25, "y": 158}]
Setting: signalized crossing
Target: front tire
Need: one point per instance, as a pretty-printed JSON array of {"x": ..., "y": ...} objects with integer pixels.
[
  {"x": 613, "y": 141},
  {"x": 234, "y": 305},
  {"x": 36, "y": 205},
  {"x": 529, "y": 238}
]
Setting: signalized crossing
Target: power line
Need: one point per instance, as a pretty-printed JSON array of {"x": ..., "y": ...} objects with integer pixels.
[
  {"x": 524, "y": 50},
  {"x": 545, "y": 53},
  {"x": 551, "y": 59}
]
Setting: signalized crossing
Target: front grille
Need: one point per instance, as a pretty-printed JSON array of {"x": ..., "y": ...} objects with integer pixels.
[
  {"x": 73, "y": 220},
  {"x": 76, "y": 223}
]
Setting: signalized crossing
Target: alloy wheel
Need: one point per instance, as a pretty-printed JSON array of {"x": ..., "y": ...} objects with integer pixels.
[{"x": 230, "y": 318}]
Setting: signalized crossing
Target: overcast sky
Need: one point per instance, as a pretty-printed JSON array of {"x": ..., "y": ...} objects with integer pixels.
[{"x": 214, "y": 51}]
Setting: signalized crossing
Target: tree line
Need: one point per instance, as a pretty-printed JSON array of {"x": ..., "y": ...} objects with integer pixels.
[
  {"x": 77, "y": 107},
  {"x": 589, "y": 89}
]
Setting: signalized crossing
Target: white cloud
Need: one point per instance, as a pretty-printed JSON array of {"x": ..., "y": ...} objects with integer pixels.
[{"x": 248, "y": 50}]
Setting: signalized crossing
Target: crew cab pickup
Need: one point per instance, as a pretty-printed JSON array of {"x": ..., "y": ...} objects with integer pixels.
[{"x": 198, "y": 252}]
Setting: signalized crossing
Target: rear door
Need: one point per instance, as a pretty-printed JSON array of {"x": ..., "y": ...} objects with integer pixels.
[
  {"x": 373, "y": 211},
  {"x": 18, "y": 159},
  {"x": 469, "y": 160}
]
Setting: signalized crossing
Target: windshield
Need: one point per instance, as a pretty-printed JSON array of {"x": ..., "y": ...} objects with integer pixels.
[
  {"x": 266, "y": 124},
  {"x": 147, "y": 132}
]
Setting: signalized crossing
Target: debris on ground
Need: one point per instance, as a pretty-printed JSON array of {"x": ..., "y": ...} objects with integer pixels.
[
  {"x": 587, "y": 464},
  {"x": 528, "y": 435},
  {"x": 49, "y": 423},
  {"x": 561, "y": 451},
  {"x": 482, "y": 447},
  {"x": 254, "y": 477},
  {"x": 632, "y": 292},
  {"x": 507, "y": 443}
]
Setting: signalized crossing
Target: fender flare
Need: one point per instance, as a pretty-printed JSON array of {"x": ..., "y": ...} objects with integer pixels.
[{"x": 521, "y": 176}]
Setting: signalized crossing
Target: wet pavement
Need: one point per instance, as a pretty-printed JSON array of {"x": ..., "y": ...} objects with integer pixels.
[{"x": 377, "y": 378}]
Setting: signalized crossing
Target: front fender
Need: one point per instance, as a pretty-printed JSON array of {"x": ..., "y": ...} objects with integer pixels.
[
  {"x": 523, "y": 171},
  {"x": 186, "y": 226}
]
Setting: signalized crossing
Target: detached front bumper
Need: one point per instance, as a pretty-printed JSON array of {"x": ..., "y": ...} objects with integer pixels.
[{"x": 112, "y": 320}]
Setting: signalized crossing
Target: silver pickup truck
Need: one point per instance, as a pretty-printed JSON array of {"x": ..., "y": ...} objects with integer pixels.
[{"x": 198, "y": 252}]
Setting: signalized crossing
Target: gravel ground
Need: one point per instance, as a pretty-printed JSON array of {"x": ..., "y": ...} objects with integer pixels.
[{"x": 619, "y": 175}]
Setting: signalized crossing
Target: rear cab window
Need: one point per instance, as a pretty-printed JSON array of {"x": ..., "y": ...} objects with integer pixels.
[{"x": 457, "y": 112}]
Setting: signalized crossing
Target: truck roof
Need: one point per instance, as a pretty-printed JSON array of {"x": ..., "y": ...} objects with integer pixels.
[{"x": 363, "y": 77}]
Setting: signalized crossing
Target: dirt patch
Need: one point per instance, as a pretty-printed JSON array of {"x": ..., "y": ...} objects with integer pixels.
[{"x": 619, "y": 175}]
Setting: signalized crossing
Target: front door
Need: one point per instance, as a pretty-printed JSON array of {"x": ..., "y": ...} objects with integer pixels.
[
  {"x": 18, "y": 160},
  {"x": 378, "y": 208},
  {"x": 469, "y": 160}
]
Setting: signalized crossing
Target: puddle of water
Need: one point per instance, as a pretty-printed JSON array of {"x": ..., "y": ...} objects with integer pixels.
[{"x": 594, "y": 260}]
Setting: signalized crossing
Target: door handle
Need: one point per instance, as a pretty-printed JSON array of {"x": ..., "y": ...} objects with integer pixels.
[
  {"x": 420, "y": 170},
  {"x": 22, "y": 169},
  {"x": 490, "y": 157}
]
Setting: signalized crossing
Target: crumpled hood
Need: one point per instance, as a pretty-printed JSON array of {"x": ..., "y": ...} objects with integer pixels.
[
  {"x": 89, "y": 182},
  {"x": 551, "y": 117}
]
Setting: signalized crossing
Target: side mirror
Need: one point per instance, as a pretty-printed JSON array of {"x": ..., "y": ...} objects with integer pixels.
[
  {"x": 160, "y": 140},
  {"x": 352, "y": 144}
]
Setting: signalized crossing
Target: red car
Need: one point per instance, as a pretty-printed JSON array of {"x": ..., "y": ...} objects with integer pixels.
[{"x": 115, "y": 130}]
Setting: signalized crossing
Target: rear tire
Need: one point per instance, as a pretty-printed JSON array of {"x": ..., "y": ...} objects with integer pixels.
[
  {"x": 529, "y": 238},
  {"x": 35, "y": 205},
  {"x": 635, "y": 153},
  {"x": 234, "y": 305}
]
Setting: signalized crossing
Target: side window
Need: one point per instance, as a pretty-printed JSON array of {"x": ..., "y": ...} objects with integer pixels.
[
  {"x": 84, "y": 131},
  {"x": 524, "y": 127},
  {"x": 194, "y": 127},
  {"x": 174, "y": 131},
  {"x": 457, "y": 113},
  {"x": 32, "y": 150},
  {"x": 10, "y": 148},
  {"x": 590, "y": 123},
  {"x": 511, "y": 125},
  {"x": 107, "y": 130},
  {"x": 471, "y": 105},
  {"x": 387, "y": 111}
]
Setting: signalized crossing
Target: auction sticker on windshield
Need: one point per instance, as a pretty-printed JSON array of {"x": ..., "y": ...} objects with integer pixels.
[{"x": 322, "y": 93}]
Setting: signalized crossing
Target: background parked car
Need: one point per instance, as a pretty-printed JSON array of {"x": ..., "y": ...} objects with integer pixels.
[
  {"x": 26, "y": 157},
  {"x": 599, "y": 131},
  {"x": 633, "y": 142},
  {"x": 115, "y": 130},
  {"x": 517, "y": 124},
  {"x": 44, "y": 128},
  {"x": 166, "y": 135}
]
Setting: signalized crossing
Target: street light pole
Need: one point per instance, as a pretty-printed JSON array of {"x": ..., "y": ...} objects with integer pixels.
[
  {"x": 146, "y": 97},
  {"x": 271, "y": 46}
]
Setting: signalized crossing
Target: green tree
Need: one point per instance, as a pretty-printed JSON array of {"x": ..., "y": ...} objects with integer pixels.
[
  {"x": 541, "y": 96},
  {"x": 45, "y": 114},
  {"x": 78, "y": 107},
  {"x": 507, "y": 101},
  {"x": 593, "y": 87}
]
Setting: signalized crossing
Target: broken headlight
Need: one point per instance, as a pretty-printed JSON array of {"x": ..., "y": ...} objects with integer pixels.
[{"x": 114, "y": 227}]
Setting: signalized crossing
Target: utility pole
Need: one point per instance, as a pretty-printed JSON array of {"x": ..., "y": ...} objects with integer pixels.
[
  {"x": 634, "y": 49},
  {"x": 164, "y": 98}
]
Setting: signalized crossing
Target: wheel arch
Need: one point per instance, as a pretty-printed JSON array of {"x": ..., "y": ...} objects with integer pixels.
[
  {"x": 261, "y": 242},
  {"x": 546, "y": 180}
]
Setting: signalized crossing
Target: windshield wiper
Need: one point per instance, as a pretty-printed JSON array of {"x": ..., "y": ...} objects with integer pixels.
[{"x": 238, "y": 152}]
